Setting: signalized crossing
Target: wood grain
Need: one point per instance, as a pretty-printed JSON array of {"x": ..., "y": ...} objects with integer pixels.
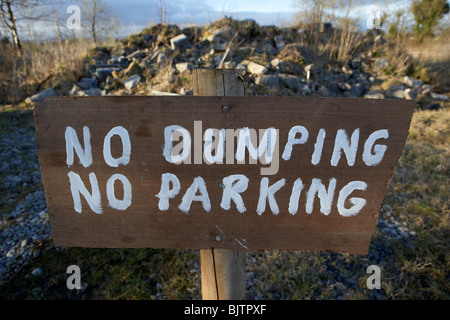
[{"x": 144, "y": 225}]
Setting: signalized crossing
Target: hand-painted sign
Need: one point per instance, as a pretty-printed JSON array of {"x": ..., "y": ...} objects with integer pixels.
[{"x": 245, "y": 173}]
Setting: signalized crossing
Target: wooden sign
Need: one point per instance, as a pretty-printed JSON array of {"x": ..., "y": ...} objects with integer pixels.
[{"x": 243, "y": 173}]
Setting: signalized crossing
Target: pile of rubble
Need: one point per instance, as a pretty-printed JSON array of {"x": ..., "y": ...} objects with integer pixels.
[{"x": 160, "y": 59}]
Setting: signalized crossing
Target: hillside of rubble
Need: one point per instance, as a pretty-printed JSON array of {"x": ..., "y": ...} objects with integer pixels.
[{"x": 315, "y": 60}]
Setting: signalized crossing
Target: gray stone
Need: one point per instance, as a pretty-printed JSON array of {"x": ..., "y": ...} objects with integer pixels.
[
  {"x": 276, "y": 63},
  {"x": 87, "y": 83},
  {"x": 186, "y": 92},
  {"x": 290, "y": 81},
  {"x": 103, "y": 73},
  {"x": 412, "y": 93},
  {"x": 269, "y": 81},
  {"x": 132, "y": 82},
  {"x": 279, "y": 42},
  {"x": 139, "y": 54},
  {"x": 396, "y": 87},
  {"x": 380, "y": 65},
  {"x": 396, "y": 94},
  {"x": 305, "y": 90},
  {"x": 436, "y": 96},
  {"x": 411, "y": 82},
  {"x": 325, "y": 91},
  {"x": 161, "y": 58},
  {"x": 217, "y": 35},
  {"x": 347, "y": 70},
  {"x": 74, "y": 90},
  {"x": 374, "y": 95},
  {"x": 325, "y": 27},
  {"x": 380, "y": 40},
  {"x": 426, "y": 89},
  {"x": 183, "y": 67},
  {"x": 256, "y": 68},
  {"x": 37, "y": 272},
  {"x": 270, "y": 49},
  {"x": 219, "y": 46},
  {"x": 93, "y": 92},
  {"x": 41, "y": 96},
  {"x": 179, "y": 42}
]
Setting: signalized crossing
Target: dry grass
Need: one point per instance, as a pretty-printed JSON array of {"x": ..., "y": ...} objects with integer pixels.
[
  {"x": 433, "y": 60},
  {"x": 41, "y": 65}
]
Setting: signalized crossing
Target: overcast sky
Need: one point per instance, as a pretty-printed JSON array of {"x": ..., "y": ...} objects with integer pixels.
[
  {"x": 138, "y": 14},
  {"x": 144, "y": 12},
  {"x": 135, "y": 15}
]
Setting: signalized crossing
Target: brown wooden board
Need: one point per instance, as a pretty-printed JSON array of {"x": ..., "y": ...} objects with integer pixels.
[{"x": 144, "y": 224}]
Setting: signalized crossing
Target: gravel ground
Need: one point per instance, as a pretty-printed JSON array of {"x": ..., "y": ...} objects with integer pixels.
[{"x": 22, "y": 229}]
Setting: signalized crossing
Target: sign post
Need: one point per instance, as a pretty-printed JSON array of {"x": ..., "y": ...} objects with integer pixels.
[
  {"x": 222, "y": 270},
  {"x": 224, "y": 174}
]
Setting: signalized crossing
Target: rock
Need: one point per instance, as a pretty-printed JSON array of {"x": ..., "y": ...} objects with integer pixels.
[
  {"x": 305, "y": 90},
  {"x": 380, "y": 65},
  {"x": 276, "y": 63},
  {"x": 436, "y": 96},
  {"x": 396, "y": 87},
  {"x": 74, "y": 90},
  {"x": 426, "y": 89},
  {"x": 279, "y": 42},
  {"x": 184, "y": 67},
  {"x": 432, "y": 106},
  {"x": 133, "y": 69},
  {"x": 250, "y": 276},
  {"x": 379, "y": 40},
  {"x": 269, "y": 81},
  {"x": 325, "y": 91},
  {"x": 374, "y": 95},
  {"x": 91, "y": 70},
  {"x": 87, "y": 83},
  {"x": 139, "y": 54},
  {"x": 41, "y": 96},
  {"x": 222, "y": 46},
  {"x": 186, "y": 92},
  {"x": 132, "y": 82},
  {"x": 179, "y": 42},
  {"x": 395, "y": 94},
  {"x": 358, "y": 89},
  {"x": 161, "y": 58},
  {"x": 217, "y": 35},
  {"x": 121, "y": 60},
  {"x": 103, "y": 73},
  {"x": 290, "y": 81},
  {"x": 411, "y": 82},
  {"x": 347, "y": 70},
  {"x": 412, "y": 93},
  {"x": 37, "y": 272},
  {"x": 256, "y": 68},
  {"x": 270, "y": 49},
  {"x": 93, "y": 92},
  {"x": 325, "y": 27}
]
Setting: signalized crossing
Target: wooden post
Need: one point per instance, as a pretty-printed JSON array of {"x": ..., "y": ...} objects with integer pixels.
[{"x": 223, "y": 270}]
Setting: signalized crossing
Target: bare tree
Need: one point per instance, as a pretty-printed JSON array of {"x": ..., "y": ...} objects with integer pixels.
[
  {"x": 98, "y": 16},
  {"x": 12, "y": 12},
  {"x": 9, "y": 20},
  {"x": 163, "y": 11}
]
